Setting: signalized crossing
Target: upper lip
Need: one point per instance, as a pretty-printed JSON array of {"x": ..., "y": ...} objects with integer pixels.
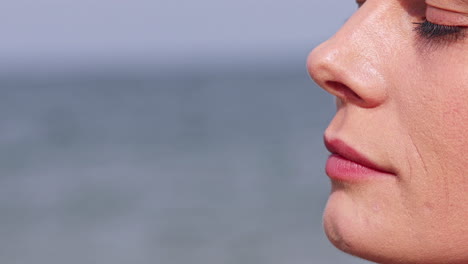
[{"x": 339, "y": 147}]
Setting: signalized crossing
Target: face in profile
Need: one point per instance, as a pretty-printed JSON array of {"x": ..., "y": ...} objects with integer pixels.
[{"x": 399, "y": 144}]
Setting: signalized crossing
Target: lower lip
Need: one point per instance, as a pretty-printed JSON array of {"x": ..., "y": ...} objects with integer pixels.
[{"x": 339, "y": 168}]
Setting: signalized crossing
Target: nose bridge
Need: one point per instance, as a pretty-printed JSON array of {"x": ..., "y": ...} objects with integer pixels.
[{"x": 350, "y": 65}]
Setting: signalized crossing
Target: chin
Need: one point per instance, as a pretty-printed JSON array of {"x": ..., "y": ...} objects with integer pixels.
[
  {"x": 345, "y": 228},
  {"x": 353, "y": 231},
  {"x": 358, "y": 225}
]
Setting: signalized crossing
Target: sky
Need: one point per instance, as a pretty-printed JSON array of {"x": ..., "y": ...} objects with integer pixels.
[{"x": 163, "y": 31}]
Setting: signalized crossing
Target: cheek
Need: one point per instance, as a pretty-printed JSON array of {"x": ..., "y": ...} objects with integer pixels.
[
  {"x": 454, "y": 124},
  {"x": 433, "y": 113},
  {"x": 436, "y": 113},
  {"x": 445, "y": 85}
]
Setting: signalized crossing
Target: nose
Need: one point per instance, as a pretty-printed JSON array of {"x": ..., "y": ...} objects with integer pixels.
[{"x": 350, "y": 65}]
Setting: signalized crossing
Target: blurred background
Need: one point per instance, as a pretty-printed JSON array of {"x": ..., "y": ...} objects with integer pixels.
[{"x": 167, "y": 131}]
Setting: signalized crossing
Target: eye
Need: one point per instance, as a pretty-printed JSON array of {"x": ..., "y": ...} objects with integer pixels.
[{"x": 432, "y": 31}]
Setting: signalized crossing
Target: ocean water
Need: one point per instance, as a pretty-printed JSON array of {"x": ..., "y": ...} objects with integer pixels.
[{"x": 201, "y": 168}]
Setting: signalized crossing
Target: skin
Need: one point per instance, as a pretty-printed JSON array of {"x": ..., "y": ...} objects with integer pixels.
[{"x": 402, "y": 101}]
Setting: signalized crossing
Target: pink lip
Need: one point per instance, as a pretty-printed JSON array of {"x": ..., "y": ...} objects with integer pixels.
[{"x": 346, "y": 164}]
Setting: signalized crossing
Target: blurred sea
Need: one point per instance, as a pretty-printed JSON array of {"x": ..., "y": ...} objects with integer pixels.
[{"x": 205, "y": 168}]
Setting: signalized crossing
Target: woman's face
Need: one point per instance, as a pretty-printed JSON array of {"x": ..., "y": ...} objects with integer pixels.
[{"x": 402, "y": 104}]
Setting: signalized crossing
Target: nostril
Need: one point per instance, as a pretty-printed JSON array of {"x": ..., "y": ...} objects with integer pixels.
[{"x": 342, "y": 91}]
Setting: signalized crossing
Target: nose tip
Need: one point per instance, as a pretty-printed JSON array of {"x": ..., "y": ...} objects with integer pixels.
[
  {"x": 317, "y": 62},
  {"x": 346, "y": 72},
  {"x": 319, "y": 68}
]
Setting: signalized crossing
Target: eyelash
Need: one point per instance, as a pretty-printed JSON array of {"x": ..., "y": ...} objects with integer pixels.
[
  {"x": 434, "y": 32},
  {"x": 431, "y": 31}
]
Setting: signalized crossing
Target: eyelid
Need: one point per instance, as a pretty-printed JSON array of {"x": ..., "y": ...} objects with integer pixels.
[
  {"x": 456, "y": 6},
  {"x": 445, "y": 17}
]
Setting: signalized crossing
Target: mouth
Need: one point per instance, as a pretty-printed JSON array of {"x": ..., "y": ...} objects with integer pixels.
[{"x": 347, "y": 164}]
